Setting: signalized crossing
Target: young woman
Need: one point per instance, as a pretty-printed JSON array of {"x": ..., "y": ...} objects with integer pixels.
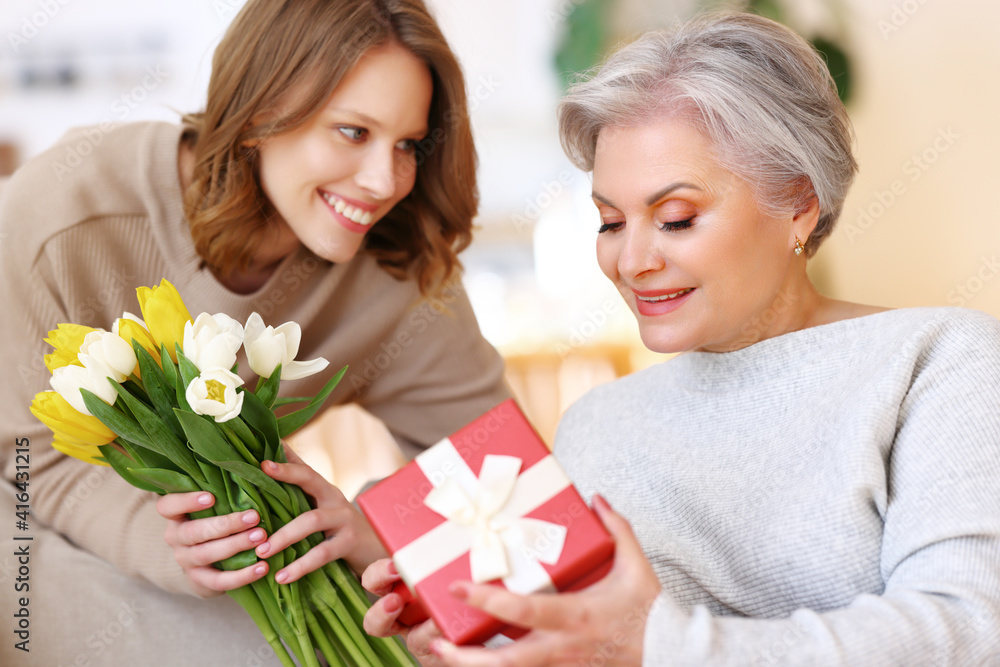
[{"x": 331, "y": 181}]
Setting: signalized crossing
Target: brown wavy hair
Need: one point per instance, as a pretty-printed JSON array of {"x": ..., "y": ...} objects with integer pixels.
[{"x": 275, "y": 47}]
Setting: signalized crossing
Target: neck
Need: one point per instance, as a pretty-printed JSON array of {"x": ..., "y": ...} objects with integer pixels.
[{"x": 795, "y": 306}]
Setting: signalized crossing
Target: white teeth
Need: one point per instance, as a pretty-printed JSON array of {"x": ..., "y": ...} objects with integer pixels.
[
  {"x": 352, "y": 213},
  {"x": 665, "y": 297}
]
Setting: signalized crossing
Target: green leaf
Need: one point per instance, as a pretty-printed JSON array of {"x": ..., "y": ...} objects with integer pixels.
[
  {"x": 145, "y": 457},
  {"x": 209, "y": 442},
  {"x": 159, "y": 437},
  {"x": 187, "y": 372},
  {"x": 243, "y": 439},
  {"x": 291, "y": 423},
  {"x": 258, "y": 416},
  {"x": 114, "y": 418},
  {"x": 121, "y": 464},
  {"x": 168, "y": 480},
  {"x": 256, "y": 477},
  {"x": 269, "y": 390},
  {"x": 160, "y": 393},
  {"x": 205, "y": 438},
  {"x": 168, "y": 366},
  {"x": 288, "y": 400}
]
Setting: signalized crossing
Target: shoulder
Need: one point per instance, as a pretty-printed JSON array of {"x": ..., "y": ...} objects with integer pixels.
[
  {"x": 607, "y": 404},
  {"x": 945, "y": 329},
  {"x": 101, "y": 170}
]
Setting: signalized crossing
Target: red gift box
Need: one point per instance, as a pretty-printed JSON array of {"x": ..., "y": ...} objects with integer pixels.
[{"x": 503, "y": 509}]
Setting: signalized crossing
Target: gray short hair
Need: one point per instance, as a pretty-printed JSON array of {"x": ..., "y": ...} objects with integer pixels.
[{"x": 762, "y": 95}]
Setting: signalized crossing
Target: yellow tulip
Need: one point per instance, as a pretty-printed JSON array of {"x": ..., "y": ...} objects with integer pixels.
[
  {"x": 86, "y": 453},
  {"x": 129, "y": 330},
  {"x": 66, "y": 339},
  {"x": 67, "y": 424},
  {"x": 165, "y": 314}
]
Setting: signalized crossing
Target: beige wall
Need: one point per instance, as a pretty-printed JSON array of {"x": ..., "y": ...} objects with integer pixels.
[{"x": 920, "y": 226}]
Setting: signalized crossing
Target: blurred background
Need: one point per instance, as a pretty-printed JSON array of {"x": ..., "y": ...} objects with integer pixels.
[{"x": 921, "y": 80}]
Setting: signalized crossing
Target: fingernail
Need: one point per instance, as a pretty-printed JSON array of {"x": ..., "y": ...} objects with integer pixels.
[
  {"x": 250, "y": 517},
  {"x": 393, "y": 603},
  {"x": 442, "y": 647},
  {"x": 262, "y": 549},
  {"x": 259, "y": 570},
  {"x": 205, "y": 499},
  {"x": 459, "y": 590},
  {"x": 270, "y": 465},
  {"x": 281, "y": 577},
  {"x": 256, "y": 535},
  {"x": 392, "y": 568}
]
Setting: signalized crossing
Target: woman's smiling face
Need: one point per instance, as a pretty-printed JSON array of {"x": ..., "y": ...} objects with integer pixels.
[
  {"x": 338, "y": 174},
  {"x": 684, "y": 241}
]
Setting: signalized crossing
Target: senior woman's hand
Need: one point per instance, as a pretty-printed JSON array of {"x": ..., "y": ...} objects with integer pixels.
[
  {"x": 380, "y": 620},
  {"x": 198, "y": 543},
  {"x": 606, "y": 619}
]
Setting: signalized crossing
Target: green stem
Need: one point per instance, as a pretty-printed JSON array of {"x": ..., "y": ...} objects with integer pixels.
[
  {"x": 277, "y": 618},
  {"x": 247, "y": 599},
  {"x": 322, "y": 640},
  {"x": 299, "y": 624},
  {"x": 343, "y": 638}
]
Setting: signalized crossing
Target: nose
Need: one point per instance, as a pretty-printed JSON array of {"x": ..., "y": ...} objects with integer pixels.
[
  {"x": 639, "y": 251},
  {"x": 377, "y": 174}
]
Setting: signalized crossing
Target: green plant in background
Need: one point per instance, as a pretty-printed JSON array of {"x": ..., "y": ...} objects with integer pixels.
[{"x": 587, "y": 39}]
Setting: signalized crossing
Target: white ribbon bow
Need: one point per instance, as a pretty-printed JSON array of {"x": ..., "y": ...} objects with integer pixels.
[
  {"x": 486, "y": 519},
  {"x": 497, "y": 537}
]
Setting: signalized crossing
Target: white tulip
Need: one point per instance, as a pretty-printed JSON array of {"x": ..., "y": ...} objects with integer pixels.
[
  {"x": 212, "y": 341},
  {"x": 269, "y": 346},
  {"x": 69, "y": 380},
  {"x": 109, "y": 354},
  {"x": 213, "y": 393}
]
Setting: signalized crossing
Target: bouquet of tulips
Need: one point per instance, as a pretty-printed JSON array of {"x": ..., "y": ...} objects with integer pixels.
[{"x": 158, "y": 400}]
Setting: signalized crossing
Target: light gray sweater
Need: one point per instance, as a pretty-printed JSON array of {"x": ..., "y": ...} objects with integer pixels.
[{"x": 826, "y": 497}]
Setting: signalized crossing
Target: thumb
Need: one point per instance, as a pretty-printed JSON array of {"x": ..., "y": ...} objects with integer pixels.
[{"x": 627, "y": 548}]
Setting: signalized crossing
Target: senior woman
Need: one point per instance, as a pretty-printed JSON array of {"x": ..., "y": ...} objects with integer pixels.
[{"x": 812, "y": 482}]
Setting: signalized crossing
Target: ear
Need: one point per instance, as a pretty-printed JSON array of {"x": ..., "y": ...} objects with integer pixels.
[{"x": 804, "y": 219}]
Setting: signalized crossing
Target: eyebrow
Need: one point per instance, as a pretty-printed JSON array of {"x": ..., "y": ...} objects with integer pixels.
[{"x": 653, "y": 198}]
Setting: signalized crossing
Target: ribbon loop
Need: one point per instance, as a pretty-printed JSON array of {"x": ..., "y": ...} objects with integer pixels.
[{"x": 496, "y": 535}]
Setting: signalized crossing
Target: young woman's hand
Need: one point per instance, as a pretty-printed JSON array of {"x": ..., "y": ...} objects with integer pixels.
[
  {"x": 380, "y": 620},
  {"x": 198, "y": 543},
  {"x": 606, "y": 620}
]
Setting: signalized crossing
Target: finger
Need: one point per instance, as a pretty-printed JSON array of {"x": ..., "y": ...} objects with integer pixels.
[
  {"x": 526, "y": 652},
  {"x": 177, "y": 506},
  {"x": 222, "y": 580},
  {"x": 539, "y": 611},
  {"x": 197, "y": 531},
  {"x": 380, "y": 619},
  {"x": 214, "y": 551},
  {"x": 627, "y": 547},
  {"x": 321, "y": 554},
  {"x": 323, "y": 521},
  {"x": 380, "y": 577},
  {"x": 307, "y": 479},
  {"x": 421, "y": 638}
]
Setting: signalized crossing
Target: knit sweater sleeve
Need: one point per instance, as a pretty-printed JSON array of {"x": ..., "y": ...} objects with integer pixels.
[
  {"x": 940, "y": 556},
  {"x": 88, "y": 504}
]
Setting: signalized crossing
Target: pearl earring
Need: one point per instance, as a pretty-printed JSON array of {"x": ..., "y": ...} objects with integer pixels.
[{"x": 798, "y": 246}]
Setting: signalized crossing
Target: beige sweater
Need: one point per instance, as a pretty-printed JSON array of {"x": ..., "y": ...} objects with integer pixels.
[{"x": 85, "y": 223}]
